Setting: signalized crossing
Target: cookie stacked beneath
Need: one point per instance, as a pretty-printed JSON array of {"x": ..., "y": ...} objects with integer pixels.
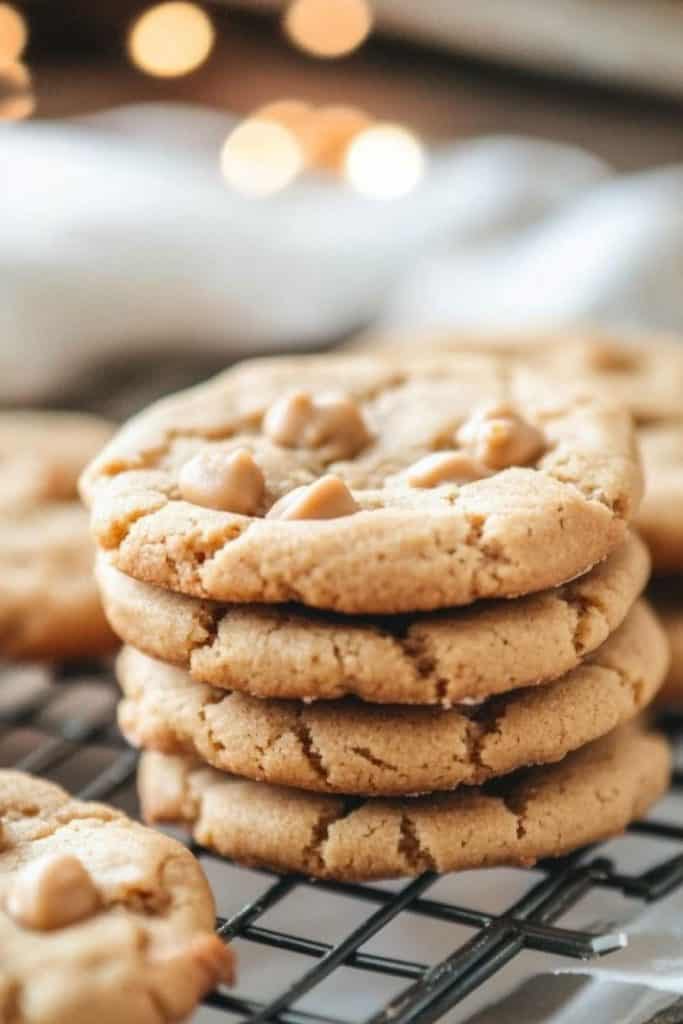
[{"x": 324, "y": 664}]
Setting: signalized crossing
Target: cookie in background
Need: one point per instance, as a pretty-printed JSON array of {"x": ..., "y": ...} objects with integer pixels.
[{"x": 49, "y": 604}]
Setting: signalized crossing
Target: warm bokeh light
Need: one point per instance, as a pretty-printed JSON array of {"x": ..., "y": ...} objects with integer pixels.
[
  {"x": 299, "y": 118},
  {"x": 13, "y": 33},
  {"x": 261, "y": 157},
  {"x": 16, "y": 97},
  {"x": 384, "y": 161},
  {"x": 328, "y": 28},
  {"x": 324, "y": 133},
  {"x": 171, "y": 39},
  {"x": 336, "y": 128}
]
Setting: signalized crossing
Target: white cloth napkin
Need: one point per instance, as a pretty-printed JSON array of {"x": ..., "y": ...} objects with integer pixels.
[{"x": 119, "y": 235}]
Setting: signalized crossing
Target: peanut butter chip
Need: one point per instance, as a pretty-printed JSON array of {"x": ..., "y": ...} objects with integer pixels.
[
  {"x": 231, "y": 481},
  {"x": 52, "y": 892},
  {"x": 327, "y": 498},
  {"x": 456, "y": 467},
  {"x": 330, "y": 421},
  {"x": 499, "y": 437}
]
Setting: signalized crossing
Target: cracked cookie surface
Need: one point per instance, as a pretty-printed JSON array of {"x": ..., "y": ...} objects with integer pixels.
[
  {"x": 368, "y": 749},
  {"x": 101, "y": 918},
  {"x": 542, "y": 812},
  {"x": 521, "y": 529},
  {"x": 439, "y": 658},
  {"x": 49, "y": 603}
]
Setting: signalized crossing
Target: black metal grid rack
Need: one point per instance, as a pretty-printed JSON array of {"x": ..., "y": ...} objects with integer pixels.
[{"x": 61, "y": 724}]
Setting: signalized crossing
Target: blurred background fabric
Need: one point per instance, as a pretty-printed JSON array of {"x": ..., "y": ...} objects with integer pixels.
[
  {"x": 118, "y": 234},
  {"x": 546, "y": 143}
]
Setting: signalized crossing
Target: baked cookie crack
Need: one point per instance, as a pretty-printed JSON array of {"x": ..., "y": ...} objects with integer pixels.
[
  {"x": 584, "y": 609},
  {"x": 373, "y": 759},
  {"x": 547, "y": 811},
  {"x": 304, "y": 734},
  {"x": 314, "y": 853},
  {"x": 349, "y": 746},
  {"x": 417, "y": 856},
  {"x": 516, "y": 804}
]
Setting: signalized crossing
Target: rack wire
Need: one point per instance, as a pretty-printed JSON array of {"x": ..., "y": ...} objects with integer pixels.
[{"x": 60, "y": 723}]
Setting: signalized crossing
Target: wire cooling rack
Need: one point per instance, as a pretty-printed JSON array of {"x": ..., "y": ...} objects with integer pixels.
[{"x": 61, "y": 724}]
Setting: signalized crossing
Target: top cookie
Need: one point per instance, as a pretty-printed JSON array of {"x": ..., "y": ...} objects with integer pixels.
[
  {"x": 425, "y": 485},
  {"x": 101, "y": 919}
]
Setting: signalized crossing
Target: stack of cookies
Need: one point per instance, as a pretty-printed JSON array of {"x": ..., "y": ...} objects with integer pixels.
[{"x": 382, "y": 615}]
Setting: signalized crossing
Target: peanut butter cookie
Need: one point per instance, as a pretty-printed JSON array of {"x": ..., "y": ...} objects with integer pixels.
[
  {"x": 429, "y": 658},
  {"x": 101, "y": 918},
  {"x": 345, "y": 515},
  {"x": 49, "y": 604},
  {"x": 542, "y": 812},
  {"x": 370, "y": 749}
]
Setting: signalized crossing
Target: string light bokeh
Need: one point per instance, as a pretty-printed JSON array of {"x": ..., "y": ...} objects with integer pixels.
[
  {"x": 268, "y": 150},
  {"x": 300, "y": 119},
  {"x": 272, "y": 147},
  {"x": 13, "y": 33},
  {"x": 16, "y": 94},
  {"x": 171, "y": 39},
  {"x": 323, "y": 133},
  {"x": 337, "y": 127},
  {"x": 385, "y": 161},
  {"x": 261, "y": 157},
  {"x": 328, "y": 28}
]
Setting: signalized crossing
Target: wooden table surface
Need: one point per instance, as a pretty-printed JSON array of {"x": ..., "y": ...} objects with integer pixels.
[{"x": 442, "y": 96}]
